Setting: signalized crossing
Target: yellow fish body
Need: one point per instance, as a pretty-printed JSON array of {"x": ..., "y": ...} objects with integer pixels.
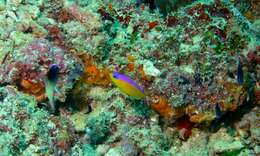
[{"x": 127, "y": 85}]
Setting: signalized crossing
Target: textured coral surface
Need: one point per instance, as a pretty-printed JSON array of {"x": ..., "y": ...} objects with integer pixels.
[{"x": 198, "y": 62}]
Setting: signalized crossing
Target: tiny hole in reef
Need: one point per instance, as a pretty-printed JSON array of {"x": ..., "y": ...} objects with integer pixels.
[{"x": 28, "y": 30}]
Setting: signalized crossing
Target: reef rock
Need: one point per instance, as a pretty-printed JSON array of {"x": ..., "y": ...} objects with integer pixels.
[{"x": 28, "y": 67}]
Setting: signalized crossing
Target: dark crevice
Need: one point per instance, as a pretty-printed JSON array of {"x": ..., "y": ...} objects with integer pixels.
[{"x": 229, "y": 118}]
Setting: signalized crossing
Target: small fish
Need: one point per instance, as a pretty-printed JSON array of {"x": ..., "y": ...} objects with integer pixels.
[
  {"x": 240, "y": 74},
  {"x": 53, "y": 72},
  {"x": 50, "y": 84},
  {"x": 127, "y": 85},
  {"x": 218, "y": 111}
]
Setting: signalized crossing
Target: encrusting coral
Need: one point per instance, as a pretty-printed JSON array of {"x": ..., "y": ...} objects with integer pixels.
[
  {"x": 28, "y": 69},
  {"x": 195, "y": 65}
]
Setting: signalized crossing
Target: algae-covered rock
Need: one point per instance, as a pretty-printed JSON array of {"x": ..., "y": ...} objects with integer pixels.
[
  {"x": 31, "y": 65},
  {"x": 117, "y": 151},
  {"x": 88, "y": 150},
  {"x": 102, "y": 149},
  {"x": 98, "y": 127},
  {"x": 150, "y": 69},
  {"x": 222, "y": 143},
  {"x": 2, "y": 5},
  {"x": 196, "y": 60},
  {"x": 151, "y": 140},
  {"x": 27, "y": 126},
  {"x": 196, "y": 145},
  {"x": 79, "y": 121}
]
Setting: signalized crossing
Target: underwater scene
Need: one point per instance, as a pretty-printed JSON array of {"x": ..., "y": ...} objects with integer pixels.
[{"x": 129, "y": 78}]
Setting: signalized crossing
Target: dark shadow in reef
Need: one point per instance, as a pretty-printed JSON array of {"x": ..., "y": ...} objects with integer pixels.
[
  {"x": 45, "y": 105},
  {"x": 228, "y": 118},
  {"x": 165, "y": 6}
]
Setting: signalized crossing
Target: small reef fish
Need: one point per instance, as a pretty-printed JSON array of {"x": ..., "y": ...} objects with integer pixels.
[
  {"x": 218, "y": 111},
  {"x": 240, "y": 74},
  {"x": 53, "y": 72},
  {"x": 127, "y": 85},
  {"x": 50, "y": 84}
]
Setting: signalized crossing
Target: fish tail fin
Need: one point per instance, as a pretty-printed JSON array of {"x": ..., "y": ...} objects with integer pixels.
[
  {"x": 50, "y": 89},
  {"x": 52, "y": 104}
]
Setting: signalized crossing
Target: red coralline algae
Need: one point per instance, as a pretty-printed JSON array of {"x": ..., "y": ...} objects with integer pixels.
[
  {"x": 153, "y": 24},
  {"x": 219, "y": 10},
  {"x": 184, "y": 126},
  {"x": 171, "y": 21},
  {"x": 64, "y": 16},
  {"x": 104, "y": 14},
  {"x": 56, "y": 36},
  {"x": 5, "y": 128}
]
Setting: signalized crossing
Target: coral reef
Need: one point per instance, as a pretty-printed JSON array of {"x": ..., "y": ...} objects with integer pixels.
[
  {"x": 28, "y": 69},
  {"x": 197, "y": 61},
  {"x": 26, "y": 129}
]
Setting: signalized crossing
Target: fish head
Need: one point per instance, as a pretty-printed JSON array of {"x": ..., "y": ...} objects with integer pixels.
[{"x": 53, "y": 72}]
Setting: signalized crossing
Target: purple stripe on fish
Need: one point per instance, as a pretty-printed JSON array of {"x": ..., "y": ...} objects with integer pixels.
[{"x": 125, "y": 78}]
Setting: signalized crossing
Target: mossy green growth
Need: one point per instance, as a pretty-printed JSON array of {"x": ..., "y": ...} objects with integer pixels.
[
  {"x": 5, "y": 140},
  {"x": 88, "y": 150},
  {"x": 236, "y": 41},
  {"x": 226, "y": 146},
  {"x": 2, "y": 5},
  {"x": 98, "y": 127},
  {"x": 177, "y": 100},
  {"x": 23, "y": 125},
  {"x": 151, "y": 140},
  {"x": 141, "y": 108}
]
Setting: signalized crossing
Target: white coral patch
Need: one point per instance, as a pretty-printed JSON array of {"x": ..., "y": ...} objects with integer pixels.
[{"x": 150, "y": 69}]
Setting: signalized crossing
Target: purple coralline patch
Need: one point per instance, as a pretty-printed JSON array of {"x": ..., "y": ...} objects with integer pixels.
[{"x": 32, "y": 64}]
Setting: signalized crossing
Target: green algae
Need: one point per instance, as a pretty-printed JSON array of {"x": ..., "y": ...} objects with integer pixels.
[
  {"x": 97, "y": 127},
  {"x": 21, "y": 131},
  {"x": 151, "y": 140},
  {"x": 88, "y": 150}
]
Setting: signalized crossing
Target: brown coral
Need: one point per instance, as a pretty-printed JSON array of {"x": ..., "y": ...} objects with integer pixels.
[
  {"x": 92, "y": 74},
  {"x": 257, "y": 93},
  {"x": 161, "y": 105},
  {"x": 35, "y": 89},
  {"x": 131, "y": 65}
]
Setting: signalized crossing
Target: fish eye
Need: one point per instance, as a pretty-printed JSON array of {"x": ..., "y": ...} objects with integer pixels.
[{"x": 115, "y": 75}]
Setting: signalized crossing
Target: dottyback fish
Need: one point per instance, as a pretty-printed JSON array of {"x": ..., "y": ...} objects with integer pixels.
[{"x": 127, "y": 85}]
